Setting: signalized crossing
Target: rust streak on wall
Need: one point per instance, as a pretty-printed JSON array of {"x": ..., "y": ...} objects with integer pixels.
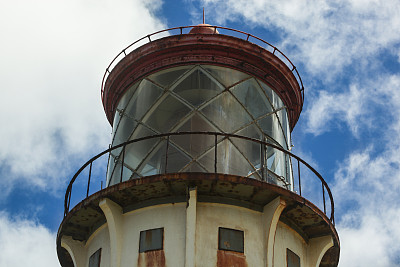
[
  {"x": 155, "y": 258},
  {"x": 231, "y": 259}
]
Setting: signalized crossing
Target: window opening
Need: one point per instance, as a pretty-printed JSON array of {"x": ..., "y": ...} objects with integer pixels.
[
  {"x": 151, "y": 240},
  {"x": 292, "y": 259},
  {"x": 94, "y": 260},
  {"x": 231, "y": 239}
]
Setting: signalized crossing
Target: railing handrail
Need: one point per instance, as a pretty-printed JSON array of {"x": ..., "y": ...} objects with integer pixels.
[
  {"x": 292, "y": 67},
  {"x": 216, "y": 134}
]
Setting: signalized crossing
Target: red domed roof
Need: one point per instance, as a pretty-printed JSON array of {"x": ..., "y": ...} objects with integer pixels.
[{"x": 203, "y": 29}]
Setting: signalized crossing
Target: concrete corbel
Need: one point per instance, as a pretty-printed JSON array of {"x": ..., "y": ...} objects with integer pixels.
[
  {"x": 113, "y": 213},
  {"x": 271, "y": 213},
  {"x": 76, "y": 250},
  {"x": 191, "y": 211},
  {"x": 317, "y": 248}
]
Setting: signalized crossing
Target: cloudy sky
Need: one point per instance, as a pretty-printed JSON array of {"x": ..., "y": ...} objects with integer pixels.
[{"x": 53, "y": 54}]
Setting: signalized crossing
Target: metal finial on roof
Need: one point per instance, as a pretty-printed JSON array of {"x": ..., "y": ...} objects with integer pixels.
[{"x": 204, "y": 17}]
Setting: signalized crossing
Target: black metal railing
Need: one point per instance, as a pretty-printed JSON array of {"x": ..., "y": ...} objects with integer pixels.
[
  {"x": 299, "y": 177},
  {"x": 181, "y": 30}
]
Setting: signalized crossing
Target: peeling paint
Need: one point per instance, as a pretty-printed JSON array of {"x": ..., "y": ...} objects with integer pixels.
[
  {"x": 231, "y": 259},
  {"x": 154, "y": 258}
]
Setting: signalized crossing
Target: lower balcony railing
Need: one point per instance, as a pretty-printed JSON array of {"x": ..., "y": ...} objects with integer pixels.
[{"x": 208, "y": 152}]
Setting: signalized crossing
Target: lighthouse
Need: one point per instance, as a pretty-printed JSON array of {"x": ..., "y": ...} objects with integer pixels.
[{"x": 200, "y": 170}]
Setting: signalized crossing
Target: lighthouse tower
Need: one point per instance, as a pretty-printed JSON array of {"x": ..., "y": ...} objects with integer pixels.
[{"x": 199, "y": 171}]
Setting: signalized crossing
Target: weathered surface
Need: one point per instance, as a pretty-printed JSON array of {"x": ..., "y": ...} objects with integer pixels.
[
  {"x": 231, "y": 259},
  {"x": 155, "y": 258}
]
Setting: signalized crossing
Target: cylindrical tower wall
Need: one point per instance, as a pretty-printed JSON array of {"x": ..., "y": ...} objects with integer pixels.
[{"x": 204, "y": 98}]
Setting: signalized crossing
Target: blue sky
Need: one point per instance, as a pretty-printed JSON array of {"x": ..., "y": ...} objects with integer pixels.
[{"x": 54, "y": 53}]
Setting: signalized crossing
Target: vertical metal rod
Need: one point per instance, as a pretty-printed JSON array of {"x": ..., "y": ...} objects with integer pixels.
[
  {"x": 262, "y": 161},
  {"x": 204, "y": 17},
  {"x": 215, "y": 155},
  {"x": 166, "y": 155},
  {"x": 90, "y": 174},
  {"x": 101, "y": 185},
  {"x": 323, "y": 196},
  {"x": 69, "y": 199},
  {"x": 298, "y": 171},
  {"x": 265, "y": 160},
  {"x": 122, "y": 164}
]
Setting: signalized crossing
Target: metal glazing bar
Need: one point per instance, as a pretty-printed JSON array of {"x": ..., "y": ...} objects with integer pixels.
[{"x": 88, "y": 184}]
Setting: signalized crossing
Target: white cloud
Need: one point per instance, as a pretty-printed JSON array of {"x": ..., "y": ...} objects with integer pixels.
[
  {"x": 325, "y": 35},
  {"x": 26, "y": 243},
  {"x": 53, "y": 57},
  {"x": 366, "y": 189},
  {"x": 347, "y": 106},
  {"x": 370, "y": 104}
]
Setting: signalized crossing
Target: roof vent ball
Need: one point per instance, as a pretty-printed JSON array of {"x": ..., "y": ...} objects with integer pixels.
[{"x": 203, "y": 29}]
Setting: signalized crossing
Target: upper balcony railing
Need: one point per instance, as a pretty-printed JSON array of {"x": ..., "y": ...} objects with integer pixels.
[
  {"x": 301, "y": 172},
  {"x": 184, "y": 30}
]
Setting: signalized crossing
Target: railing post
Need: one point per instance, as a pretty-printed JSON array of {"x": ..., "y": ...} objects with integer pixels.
[
  {"x": 69, "y": 199},
  {"x": 166, "y": 155},
  {"x": 90, "y": 174},
  {"x": 215, "y": 154},
  {"x": 122, "y": 163},
  {"x": 323, "y": 196},
  {"x": 262, "y": 161},
  {"x": 298, "y": 171}
]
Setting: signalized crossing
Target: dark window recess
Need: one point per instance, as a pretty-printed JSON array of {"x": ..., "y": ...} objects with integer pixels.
[
  {"x": 94, "y": 260},
  {"x": 231, "y": 239},
  {"x": 292, "y": 259},
  {"x": 151, "y": 240}
]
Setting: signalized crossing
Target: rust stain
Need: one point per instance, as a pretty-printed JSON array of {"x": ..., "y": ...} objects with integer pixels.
[
  {"x": 231, "y": 259},
  {"x": 154, "y": 258}
]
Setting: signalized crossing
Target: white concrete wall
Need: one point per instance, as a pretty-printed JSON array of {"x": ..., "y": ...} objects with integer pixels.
[
  {"x": 170, "y": 216},
  {"x": 211, "y": 216},
  {"x": 203, "y": 251},
  {"x": 285, "y": 237},
  {"x": 99, "y": 239}
]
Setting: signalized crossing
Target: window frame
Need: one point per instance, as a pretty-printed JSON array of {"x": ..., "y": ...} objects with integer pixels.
[
  {"x": 142, "y": 233},
  {"x": 94, "y": 254},
  {"x": 241, "y": 250}
]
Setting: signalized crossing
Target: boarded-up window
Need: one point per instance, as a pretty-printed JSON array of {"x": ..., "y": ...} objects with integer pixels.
[
  {"x": 292, "y": 259},
  {"x": 94, "y": 260},
  {"x": 151, "y": 240},
  {"x": 231, "y": 239}
]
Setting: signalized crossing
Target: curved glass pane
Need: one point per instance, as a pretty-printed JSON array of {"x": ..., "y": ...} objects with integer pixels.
[
  {"x": 197, "y": 88},
  {"x": 226, "y": 113},
  {"x": 250, "y": 95},
  {"x": 273, "y": 97},
  {"x": 144, "y": 97},
  {"x": 166, "y": 77},
  {"x": 196, "y": 98},
  {"x": 226, "y": 76},
  {"x": 167, "y": 114},
  {"x": 271, "y": 127}
]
